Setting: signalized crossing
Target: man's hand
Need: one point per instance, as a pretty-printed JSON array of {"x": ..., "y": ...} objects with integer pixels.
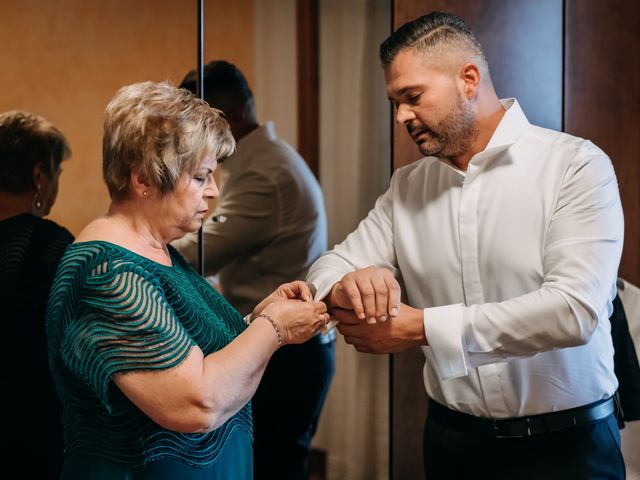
[
  {"x": 372, "y": 293},
  {"x": 396, "y": 335},
  {"x": 297, "y": 290}
]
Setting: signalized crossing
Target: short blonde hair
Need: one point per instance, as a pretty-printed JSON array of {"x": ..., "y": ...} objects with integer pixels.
[{"x": 161, "y": 132}]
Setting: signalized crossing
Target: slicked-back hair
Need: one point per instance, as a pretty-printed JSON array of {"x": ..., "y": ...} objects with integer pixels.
[
  {"x": 435, "y": 32},
  {"x": 222, "y": 81},
  {"x": 161, "y": 132},
  {"x": 27, "y": 139}
]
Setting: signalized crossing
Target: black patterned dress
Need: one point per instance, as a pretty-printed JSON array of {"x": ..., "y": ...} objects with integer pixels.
[{"x": 30, "y": 249}]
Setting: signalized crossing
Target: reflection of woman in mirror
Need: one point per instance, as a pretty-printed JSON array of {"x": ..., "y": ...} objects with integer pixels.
[
  {"x": 31, "y": 151},
  {"x": 155, "y": 369}
]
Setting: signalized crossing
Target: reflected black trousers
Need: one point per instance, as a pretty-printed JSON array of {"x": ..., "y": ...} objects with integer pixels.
[{"x": 286, "y": 408}]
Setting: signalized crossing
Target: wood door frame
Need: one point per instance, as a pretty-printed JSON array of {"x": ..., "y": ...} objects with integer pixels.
[{"x": 308, "y": 74}]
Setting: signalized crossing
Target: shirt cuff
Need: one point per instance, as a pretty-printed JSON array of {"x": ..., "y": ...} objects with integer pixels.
[
  {"x": 443, "y": 327},
  {"x": 322, "y": 289}
]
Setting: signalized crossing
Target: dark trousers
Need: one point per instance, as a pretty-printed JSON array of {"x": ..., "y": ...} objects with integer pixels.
[
  {"x": 286, "y": 409},
  {"x": 579, "y": 453}
]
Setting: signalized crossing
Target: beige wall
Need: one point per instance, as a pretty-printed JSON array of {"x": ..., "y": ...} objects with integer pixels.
[
  {"x": 275, "y": 88},
  {"x": 65, "y": 59},
  {"x": 354, "y": 169}
]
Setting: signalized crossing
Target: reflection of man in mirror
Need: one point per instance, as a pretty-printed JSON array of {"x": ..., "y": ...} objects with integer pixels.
[
  {"x": 507, "y": 238},
  {"x": 268, "y": 227}
]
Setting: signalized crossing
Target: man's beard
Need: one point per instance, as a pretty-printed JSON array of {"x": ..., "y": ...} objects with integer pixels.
[{"x": 453, "y": 135}]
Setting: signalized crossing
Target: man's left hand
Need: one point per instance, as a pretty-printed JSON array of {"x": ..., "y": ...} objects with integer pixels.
[{"x": 395, "y": 335}]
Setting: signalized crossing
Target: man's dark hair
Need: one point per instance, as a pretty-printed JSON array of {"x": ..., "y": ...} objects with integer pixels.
[
  {"x": 431, "y": 31},
  {"x": 223, "y": 81},
  {"x": 26, "y": 140}
]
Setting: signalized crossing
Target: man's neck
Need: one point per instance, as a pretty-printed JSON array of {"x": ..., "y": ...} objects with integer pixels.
[
  {"x": 490, "y": 113},
  {"x": 245, "y": 129}
]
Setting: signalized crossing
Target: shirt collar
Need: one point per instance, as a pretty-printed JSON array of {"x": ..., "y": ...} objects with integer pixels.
[
  {"x": 512, "y": 125},
  {"x": 267, "y": 131}
]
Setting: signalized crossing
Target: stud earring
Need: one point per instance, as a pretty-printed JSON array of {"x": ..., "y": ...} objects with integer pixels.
[{"x": 145, "y": 193}]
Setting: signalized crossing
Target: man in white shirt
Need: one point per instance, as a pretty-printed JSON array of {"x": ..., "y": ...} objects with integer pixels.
[
  {"x": 507, "y": 238},
  {"x": 268, "y": 227}
]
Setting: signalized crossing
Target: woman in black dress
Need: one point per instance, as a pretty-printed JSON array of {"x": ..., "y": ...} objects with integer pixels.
[{"x": 31, "y": 152}]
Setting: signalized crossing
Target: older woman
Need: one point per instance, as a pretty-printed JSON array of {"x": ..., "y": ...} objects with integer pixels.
[
  {"x": 31, "y": 151},
  {"x": 154, "y": 368}
]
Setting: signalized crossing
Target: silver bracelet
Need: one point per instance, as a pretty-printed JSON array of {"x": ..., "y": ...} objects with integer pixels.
[{"x": 275, "y": 326}]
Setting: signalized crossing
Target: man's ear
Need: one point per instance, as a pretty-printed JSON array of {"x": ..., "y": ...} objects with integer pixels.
[
  {"x": 470, "y": 80},
  {"x": 140, "y": 185}
]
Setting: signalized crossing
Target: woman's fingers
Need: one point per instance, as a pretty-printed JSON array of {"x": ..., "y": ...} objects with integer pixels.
[
  {"x": 298, "y": 320},
  {"x": 297, "y": 289}
]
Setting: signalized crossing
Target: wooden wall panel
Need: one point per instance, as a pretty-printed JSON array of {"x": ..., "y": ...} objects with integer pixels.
[
  {"x": 408, "y": 412},
  {"x": 602, "y": 99},
  {"x": 308, "y": 64},
  {"x": 523, "y": 42}
]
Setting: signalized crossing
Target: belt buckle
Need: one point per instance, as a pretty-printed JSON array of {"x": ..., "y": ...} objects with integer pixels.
[{"x": 498, "y": 430}]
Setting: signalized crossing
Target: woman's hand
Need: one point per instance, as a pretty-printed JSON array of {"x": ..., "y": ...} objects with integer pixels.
[
  {"x": 297, "y": 321},
  {"x": 297, "y": 290}
]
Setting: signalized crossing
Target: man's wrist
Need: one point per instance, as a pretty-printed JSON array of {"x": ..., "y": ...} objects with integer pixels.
[
  {"x": 417, "y": 331},
  {"x": 329, "y": 300}
]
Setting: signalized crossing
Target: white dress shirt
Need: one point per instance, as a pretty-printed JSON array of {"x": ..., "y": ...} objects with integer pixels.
[{"x": 513, "y": 261}]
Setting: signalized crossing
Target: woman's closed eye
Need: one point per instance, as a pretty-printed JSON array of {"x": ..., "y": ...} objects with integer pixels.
[{"x": 202, "y": 177}]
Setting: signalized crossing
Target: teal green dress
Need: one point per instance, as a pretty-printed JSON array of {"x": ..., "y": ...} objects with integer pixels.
[{"x": 112, "y": 311}]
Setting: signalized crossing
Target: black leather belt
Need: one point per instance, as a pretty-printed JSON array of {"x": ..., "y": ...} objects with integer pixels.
[{"x": 522, "y": 426}]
